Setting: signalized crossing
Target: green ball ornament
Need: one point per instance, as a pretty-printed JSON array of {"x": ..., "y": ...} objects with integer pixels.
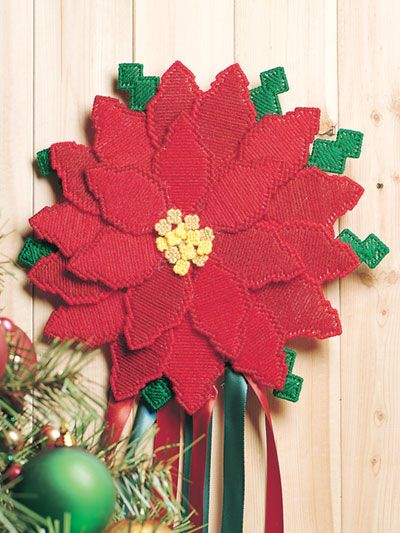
[{"x": 68, "y": 480}]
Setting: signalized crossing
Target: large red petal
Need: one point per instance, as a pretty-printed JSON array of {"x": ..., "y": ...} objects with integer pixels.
[
  {"x": 219, "y": 303},
  {"x": 116, "y": 259},
  {"x": 66, "y": 226},
  {"x": 176, "y": 93},
  {"x": 324, "y": 256},
  {"x": 261, "y": 354},
  {"x": 94, "y": 324},
  {"x": 70, "y": 161},
  {"x": 50, "y": 275},
  {"x": 283, "y": 137},
  {"x": 128, "y": 200},
  {"x": 225, "y": 113},
  {"x": 133, "y": 369},
  {"x": 240, "y": 196},
  {"x": 315, "y": 196},
  {"x": 193, "y": 367},
  {"x": 258, "y": 255},
  {"x": 155, "y": 306},
  {"x": 120, "y": 134},
  {"x": 183, "y": 166},
  {"x": 300, "y": 308}
]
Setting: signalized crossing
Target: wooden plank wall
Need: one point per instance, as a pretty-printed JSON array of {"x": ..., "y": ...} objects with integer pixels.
[{"x": 339, "y": 445}]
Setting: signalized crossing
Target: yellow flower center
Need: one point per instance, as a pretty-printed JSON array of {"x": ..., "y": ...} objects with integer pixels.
[{"x": 182, "y": 241}]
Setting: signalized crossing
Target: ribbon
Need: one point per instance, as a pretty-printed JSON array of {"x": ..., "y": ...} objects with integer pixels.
[
  {"x": 206, "y": 496},
  {"x": 168, "y": 435},
  {"x": 274, "y": 503},
  {"x": 235, "y": 393},
  {"x": 187, "y": 460},
  {"x": 116, "y": 417},
  {"x": 201, "y": 423},
  {"x": 143, "y": 420}
]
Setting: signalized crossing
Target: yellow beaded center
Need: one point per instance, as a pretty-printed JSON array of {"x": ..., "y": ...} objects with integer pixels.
[{"x": 182, "y": 241}]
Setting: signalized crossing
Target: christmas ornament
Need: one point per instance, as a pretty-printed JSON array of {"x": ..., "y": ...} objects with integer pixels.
[
  {"x": 12, "y": 472},
  {"x": 11, "y": 440},
  {"x": 3, "y": 351},
  {"x": 51, "y": 434},
  {"x": 129, "y": 526},
  {"x": 68, "y": 480},
  {"x": 20, "y": 346},
  {"x": 194, "y": 238},
  {"x": 65, "y": 438}
]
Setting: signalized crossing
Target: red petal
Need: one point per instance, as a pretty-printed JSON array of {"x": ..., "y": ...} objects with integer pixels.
[
  {"x": 225, "y": 113},
  {"x": 300, "y": 308},
  {"x": 70, "y": 161},
  {"x": 240, "y": 196},
  {"x": 93, "y": 324},
  {"x": 283, "y": 137},
  {"x": 324, "y": 256},
  {"x": 315, "y": 196},
  {"x": 258, "y": 256},
  {"x": 156, "y": 306},
  {"x": 261, "y": 354},
  {"x": 133, "y": 369},
  {"x": 219, "y": 304},
  {"x": 183, "y": 166},
  {"x": 50, "y": 275},
  {"x": 128, "y": 200},
  {"x": 66, "y": 226},
  {"x": 116, "y": 259},
  {"x": 176, "y": 93},
  {"x": 120, "y": 134},
  {"x": 193, "y": 367}
]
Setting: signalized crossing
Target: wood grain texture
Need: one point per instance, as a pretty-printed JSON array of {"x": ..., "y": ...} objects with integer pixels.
[{"x": 338, "y": 446}]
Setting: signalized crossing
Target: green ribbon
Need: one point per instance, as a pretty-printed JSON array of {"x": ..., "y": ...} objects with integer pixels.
[
  {"x": 187, "y": 461},
  {"x": 143, "y": 420},
  {"x": 235, "y": 393}
]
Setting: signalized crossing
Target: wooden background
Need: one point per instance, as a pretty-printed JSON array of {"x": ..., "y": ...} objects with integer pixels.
[{"x": 339, "y": 446}]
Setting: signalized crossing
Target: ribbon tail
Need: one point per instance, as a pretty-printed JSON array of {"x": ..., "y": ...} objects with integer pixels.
[
  {"x": 235, "y": 395},
  {"x": 143, "y": 420},
  {"x": 274, "y": 502},
  {"x": 166, "y": 441},
  {"x": 201, "y": 423}
]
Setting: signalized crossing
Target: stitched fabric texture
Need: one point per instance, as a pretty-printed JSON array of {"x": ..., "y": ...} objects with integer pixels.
[{"x": 193, "y": 233}]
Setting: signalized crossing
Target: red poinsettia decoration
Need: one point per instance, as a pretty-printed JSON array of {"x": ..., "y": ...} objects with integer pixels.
[{"x": 191, "y": 235}]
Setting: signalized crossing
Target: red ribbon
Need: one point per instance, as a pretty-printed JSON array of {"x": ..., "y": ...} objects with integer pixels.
[
  {"x": 274, "y": 503},
  {"x": 201, "y": 422},
  {"x": 169, "y": 432},
  {"x": 116, "y": 417}
]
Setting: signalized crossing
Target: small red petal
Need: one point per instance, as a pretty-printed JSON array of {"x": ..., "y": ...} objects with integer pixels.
[
  {"x": 128, "y": 200},
  {"x": 300, "y": 308},
  {"x": 193, "y": 367},
  {"x": 66, "y": 226},
  {"x": 116, "y": 259},
  {"x": 282, "y": 137},
  {"x": 120, "y": 134},
  {"x": 324, "y": 256},
  {"x": 156, "y": 306},
  {"x": 261, "y": 354},
  {"x": 50, "y": 275},
  {"x": 176, "y": 93},
  {"x": 315, "y": 196},
  {"x": 219, "y": 304},
  {"x": 258, "y": 256},
  {"x": 240, "y": 196},
  {"x": 94, "y": 324},
  {"x": 133, "y": 369},
  {"x": 225, "y": 113},
  {"x": 183, "y": 166},
  {"x": 70, "y": 161}
]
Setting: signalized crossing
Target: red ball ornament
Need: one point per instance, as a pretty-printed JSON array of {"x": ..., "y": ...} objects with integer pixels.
[
  {"x": 13, "y": 471},
  {"x": 3, "y": 351},
  {"x": 21, "y": 345}
]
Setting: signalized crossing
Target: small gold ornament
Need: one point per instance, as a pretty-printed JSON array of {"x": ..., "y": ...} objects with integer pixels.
[
  {"x": 51, "y": 435},
  {"x": 128, "y": 526},
  {"x": 66, "y": 439},
  {"x": 11, "y": 440}
]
